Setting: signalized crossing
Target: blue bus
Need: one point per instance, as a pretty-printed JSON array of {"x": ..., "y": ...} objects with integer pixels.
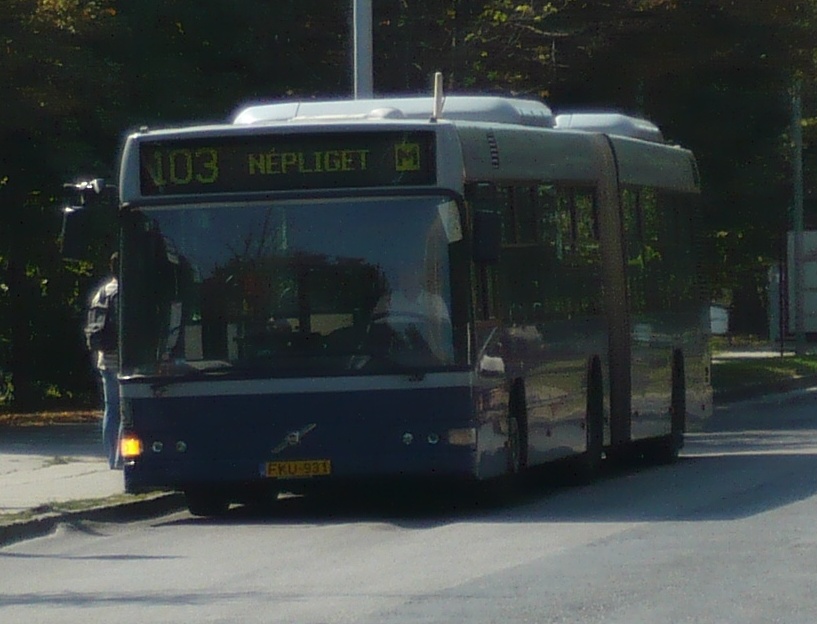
[{"x": 329, "y": 292}]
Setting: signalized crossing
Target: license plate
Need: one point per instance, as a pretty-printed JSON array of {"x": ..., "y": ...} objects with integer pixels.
[{"x": 299, "y": 469}]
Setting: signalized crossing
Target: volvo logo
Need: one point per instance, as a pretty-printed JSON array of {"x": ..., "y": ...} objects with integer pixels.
[{"x": 293, "y": 438}]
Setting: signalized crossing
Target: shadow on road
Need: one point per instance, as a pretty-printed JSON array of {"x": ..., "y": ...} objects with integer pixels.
[{"x": 709, "y": 484}]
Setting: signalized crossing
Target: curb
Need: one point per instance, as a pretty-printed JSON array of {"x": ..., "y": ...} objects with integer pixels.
[{"x": 153, "y": 506}]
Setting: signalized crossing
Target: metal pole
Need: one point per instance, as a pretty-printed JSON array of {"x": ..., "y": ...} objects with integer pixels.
[
  {"x": 797, "y": 221},
  {"x": 362, "y": 15},
  {"x": 781, "y": 305}
]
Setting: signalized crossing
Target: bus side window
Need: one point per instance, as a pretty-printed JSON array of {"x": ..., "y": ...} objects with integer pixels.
[
  {"x": 484, "y": 277},
  {"x": 661, "y": 266},
  {"x": 523, "y": 266},
  {"x": 573, "y": 248},
  {"x": 524, "y": 207}
]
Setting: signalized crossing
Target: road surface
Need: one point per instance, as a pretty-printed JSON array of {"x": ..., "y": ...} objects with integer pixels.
[{"x": 727, "y": 534}]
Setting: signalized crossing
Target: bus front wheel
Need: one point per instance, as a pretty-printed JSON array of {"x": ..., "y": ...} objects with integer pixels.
[
  {"x": 201, "y": 502},
  {"x": 517, "y": 443}
]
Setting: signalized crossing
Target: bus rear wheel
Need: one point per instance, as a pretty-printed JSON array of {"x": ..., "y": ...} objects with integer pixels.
[
  {"x": 665, "y": 450},
  {"x": 206, "y": 503},
  {"x": 517, "y": 443},
  {"x": 589, "y": 463}
]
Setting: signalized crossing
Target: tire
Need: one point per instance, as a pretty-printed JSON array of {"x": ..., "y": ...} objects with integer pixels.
[
  {"x": 517, "y": 443},
  {"x": 665, "y": 449},
  {"x": 205, "y": 503},
  {"x": 678, "y": 402},
  {"x": 514, "y": 446},
  {"x": 589, "y": 463}
]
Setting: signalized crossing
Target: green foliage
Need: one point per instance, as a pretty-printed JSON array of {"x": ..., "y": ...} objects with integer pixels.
[
  {"x": 731, "y": 374},
  {"x": 79, "y": 73}
]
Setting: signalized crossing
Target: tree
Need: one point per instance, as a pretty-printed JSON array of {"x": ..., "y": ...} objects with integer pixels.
[
  {"x": 39, "y": 138},
  {"x": 79, "y": 74},
  {"x": 714, "y": 75}
]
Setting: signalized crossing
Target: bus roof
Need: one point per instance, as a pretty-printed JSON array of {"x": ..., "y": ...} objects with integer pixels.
[
  {"x": 483, "y": 109},
  {"x": 498, "y": 139},
  {"x": 614, "y": 124},
  {"x": 456, "y": 107}
]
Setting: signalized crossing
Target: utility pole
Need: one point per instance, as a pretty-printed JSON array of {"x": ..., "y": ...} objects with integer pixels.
[
  {"x": 362, "y": 35},
  {"x": 797, "y": 220}
]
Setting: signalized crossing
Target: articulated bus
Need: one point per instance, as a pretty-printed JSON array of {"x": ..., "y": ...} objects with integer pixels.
[{"x": 563, "y": 314}]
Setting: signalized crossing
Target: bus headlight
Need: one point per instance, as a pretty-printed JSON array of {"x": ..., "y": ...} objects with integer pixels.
[
  {"x": 462, "y": 437},
  {"x": 130, "y": 447}
]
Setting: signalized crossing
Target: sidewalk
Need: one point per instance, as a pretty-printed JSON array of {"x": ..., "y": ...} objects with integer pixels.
[
  {"x": 762, "y": 351},
  {"x": 47, "y": 464},
  {"x": 56, "y": 473}
]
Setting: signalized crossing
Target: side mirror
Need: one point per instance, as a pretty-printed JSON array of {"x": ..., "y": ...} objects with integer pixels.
[
  {"x": 491, "y": 366},
  {"x": 89, "y": 218},
  {"x": 487, "y": 236}
]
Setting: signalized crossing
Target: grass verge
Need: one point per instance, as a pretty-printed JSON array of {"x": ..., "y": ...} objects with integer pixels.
[
  {"x": 72, "y": 506},
  {"x": 736, "y": 373},
  {"x": 51, "y": 417}
]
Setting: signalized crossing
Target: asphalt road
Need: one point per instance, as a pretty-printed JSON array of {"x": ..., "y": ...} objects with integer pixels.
[{"x": 728, "y": 534}]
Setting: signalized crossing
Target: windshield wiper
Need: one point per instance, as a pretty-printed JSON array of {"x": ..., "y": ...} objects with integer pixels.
[
  {"x": 188, "y": 371},
  {"x": 388, "y": 364}
]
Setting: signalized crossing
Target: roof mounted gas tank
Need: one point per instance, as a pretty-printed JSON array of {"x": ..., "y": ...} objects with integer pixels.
[
  {"x": 454, "y": 107},
  {"x": 614, "y": 124}
]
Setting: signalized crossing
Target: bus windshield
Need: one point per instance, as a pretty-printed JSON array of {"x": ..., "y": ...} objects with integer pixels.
[{"x": 287, "y": 288}]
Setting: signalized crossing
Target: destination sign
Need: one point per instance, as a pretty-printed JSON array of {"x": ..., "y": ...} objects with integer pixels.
[{"x": 231, "y": 164}]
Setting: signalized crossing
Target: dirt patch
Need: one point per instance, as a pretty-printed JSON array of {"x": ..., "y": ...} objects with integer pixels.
[{"x": 49, "y": 418}]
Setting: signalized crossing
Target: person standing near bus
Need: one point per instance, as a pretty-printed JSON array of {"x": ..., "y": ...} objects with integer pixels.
[{"x": 102, "y": 339}]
